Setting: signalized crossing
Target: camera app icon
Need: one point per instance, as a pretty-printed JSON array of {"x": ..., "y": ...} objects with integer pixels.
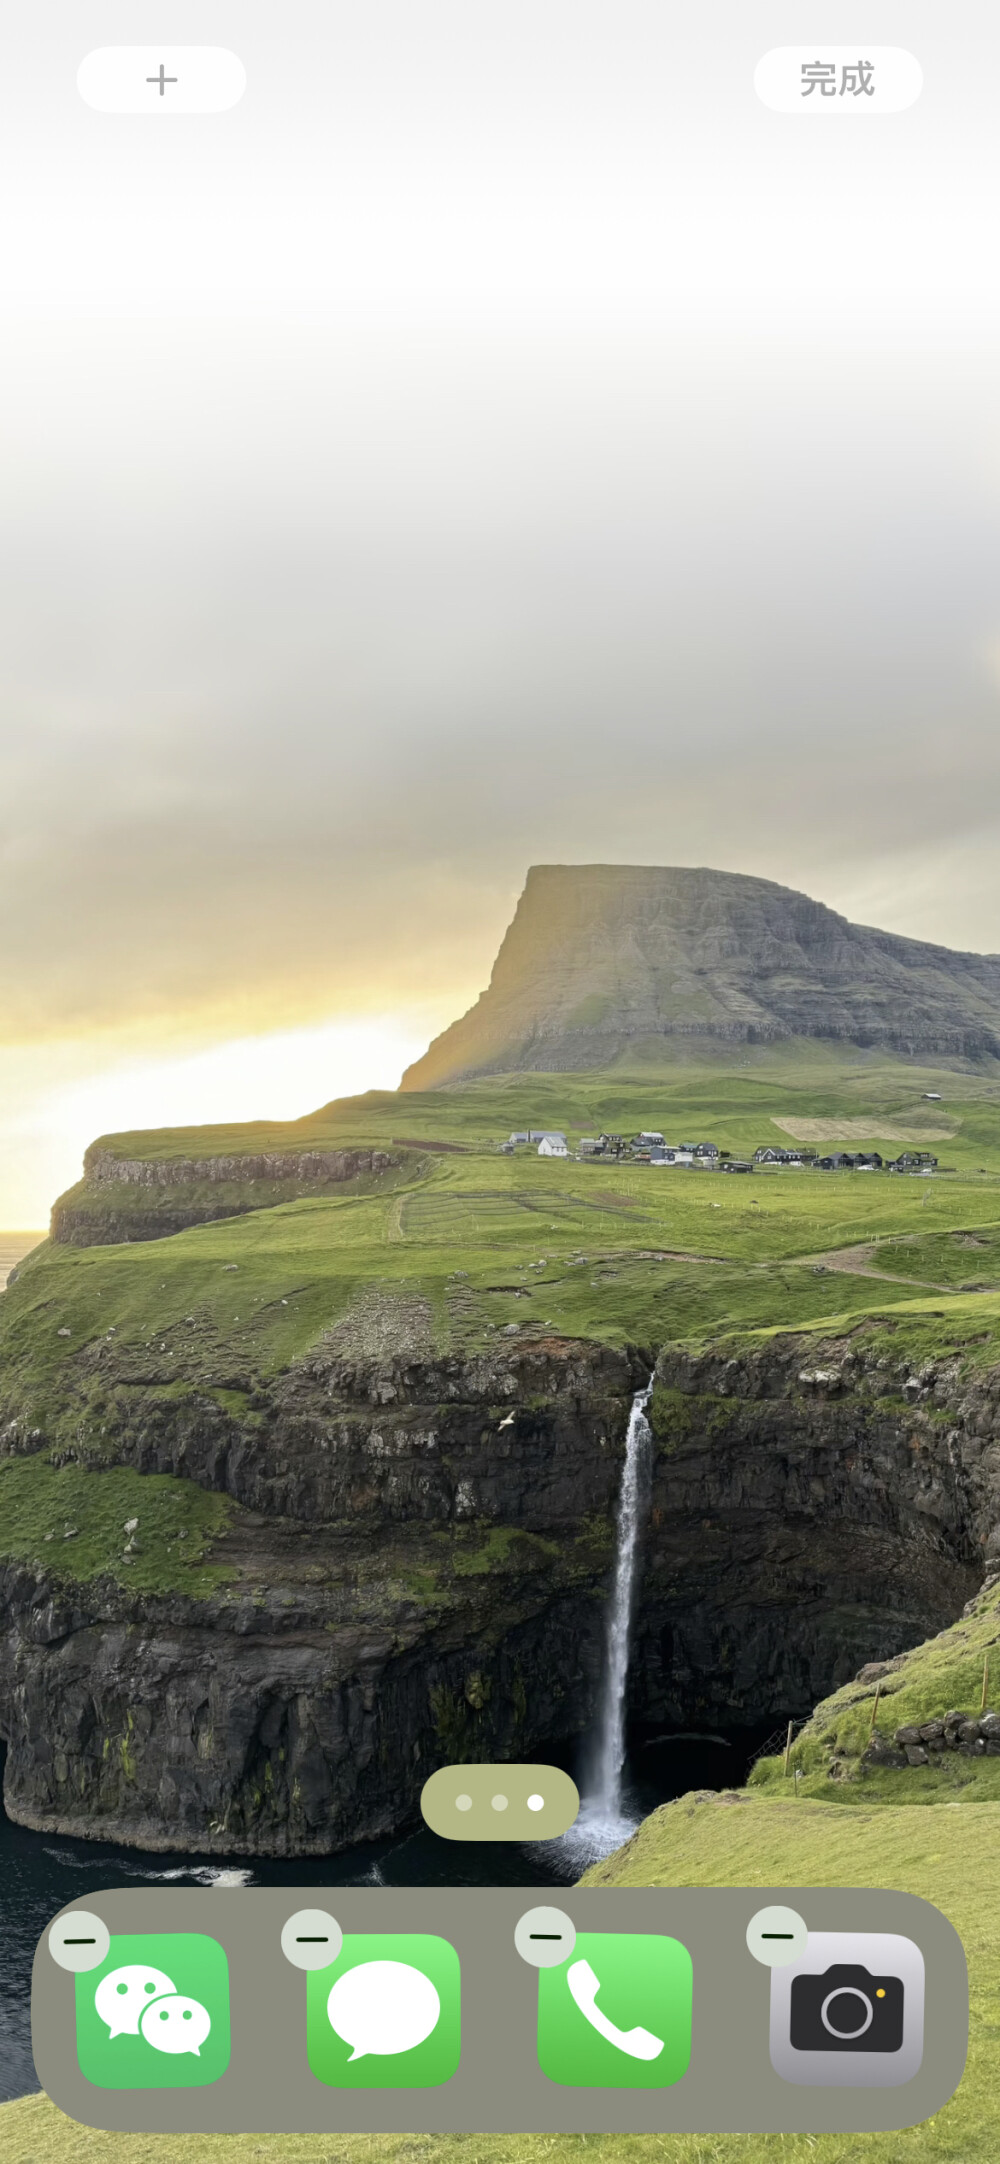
[
  {"x": 849, "y": 2013},
  {"x": 847, "y": 2010}
]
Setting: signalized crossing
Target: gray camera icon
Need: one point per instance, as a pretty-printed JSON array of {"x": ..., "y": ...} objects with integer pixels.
[
  {"x": 849, "y": 2013},
  {"x": 847, "y": 2010}
]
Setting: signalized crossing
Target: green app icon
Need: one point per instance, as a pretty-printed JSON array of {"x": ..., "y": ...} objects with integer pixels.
[
  {"x": 155, "y": 2015},
  {"x": 617, "y": 2014},
  {"x": 386, "y": 2014}
]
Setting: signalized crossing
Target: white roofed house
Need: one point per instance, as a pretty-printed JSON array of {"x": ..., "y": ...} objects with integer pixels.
[{"x": 553, "y": 1146}]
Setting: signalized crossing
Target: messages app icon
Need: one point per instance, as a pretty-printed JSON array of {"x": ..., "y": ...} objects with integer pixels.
[
  {"x": 617, "y": 2013},
  {"x": 386, "y": 2013},
  {"x": 155, "y": 2015}
]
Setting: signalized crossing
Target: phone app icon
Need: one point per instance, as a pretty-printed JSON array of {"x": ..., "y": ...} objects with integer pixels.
[
  {"x": 386, "y": 2014},
  {"x": 617, "y": 2014},
  {"x": 849, "y": 2012},
  {"x": 155, "y": 2014}
]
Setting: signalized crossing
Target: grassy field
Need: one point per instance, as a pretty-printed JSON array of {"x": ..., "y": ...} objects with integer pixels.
[
  {"x": 618, "y": 1252},
  {"x": 463, "y": 1249},
  {"x": 746, "y": 1841}
]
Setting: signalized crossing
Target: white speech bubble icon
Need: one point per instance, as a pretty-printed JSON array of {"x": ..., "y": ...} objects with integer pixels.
[
  {"x": 382, "y": 2007},
  {"x": 176, "y": 2024},
  {"x": 121, "y": 1997}
]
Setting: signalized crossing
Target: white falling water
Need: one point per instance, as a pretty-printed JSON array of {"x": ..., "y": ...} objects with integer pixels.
[
  {"x": 605, "y": 1791},
  {"x": 603, "y": 1823}
]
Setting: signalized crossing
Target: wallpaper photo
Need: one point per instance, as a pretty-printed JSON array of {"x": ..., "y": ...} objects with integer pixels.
[{"x": 500, "y": 971}]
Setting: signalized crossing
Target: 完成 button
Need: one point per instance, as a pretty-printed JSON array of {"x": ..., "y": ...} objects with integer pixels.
[
  {"x": 161, "y": 79},
  {"x": 838, "y": 79}
]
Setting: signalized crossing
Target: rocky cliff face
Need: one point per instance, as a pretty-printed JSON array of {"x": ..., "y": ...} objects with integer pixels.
[
  {"x": 603, "y": 962},
  {"x": 147, "y": 1198},
  {"x": 419, "y": 1562},
  {"x": 816, "y": 1506},
  {"x": 416, "y": 1573}
]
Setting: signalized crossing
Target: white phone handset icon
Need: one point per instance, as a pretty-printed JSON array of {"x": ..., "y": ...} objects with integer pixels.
[{"x": 584, "y": 1985}]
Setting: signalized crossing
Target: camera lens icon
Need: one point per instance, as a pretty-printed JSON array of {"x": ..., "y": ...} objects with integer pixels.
[
  {"x": 840, "y": 2032},
  {"x": 849, "y": 2011}
]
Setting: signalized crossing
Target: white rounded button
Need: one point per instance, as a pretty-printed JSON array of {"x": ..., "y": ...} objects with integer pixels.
[
  {"x": 829, "y": 82},
  {"x": 777, "y": 1936},
  {"x": 544, "y": 1937},
  {"x": 161, "y": 79},
  {"x": 311, "y": 1939},
  {"x": 79, "y": 1941}
]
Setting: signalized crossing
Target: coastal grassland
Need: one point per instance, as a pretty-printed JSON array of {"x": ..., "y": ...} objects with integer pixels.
[
  {"x": 948, "y": 1857},
  {"x": 467, "y": 1251},
  {"x": 943, "y": 1674}
]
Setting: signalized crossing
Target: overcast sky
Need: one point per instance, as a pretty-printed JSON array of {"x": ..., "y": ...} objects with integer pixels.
[{"x": 500, "y": 439}]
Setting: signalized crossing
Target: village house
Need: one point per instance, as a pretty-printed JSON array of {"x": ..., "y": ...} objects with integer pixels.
[
  {"x": 553, "y": 1146},
  {"x": 680, "y": 1153}
]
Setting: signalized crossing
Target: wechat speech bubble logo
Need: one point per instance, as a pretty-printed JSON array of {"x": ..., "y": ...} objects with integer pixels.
[
  {"x": 122, "y": 1997},
  {"x": 175, "y": 2024},
  {"x": 382, "y": 2007},
  {"x": 155, "y": 2015}
]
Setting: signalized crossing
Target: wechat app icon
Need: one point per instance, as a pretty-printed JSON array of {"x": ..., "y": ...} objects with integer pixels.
[
  {"x": 385, "y": 2014},
  {"x": 617, "y": 2013},
  {"x": 155, "y": 2015}
]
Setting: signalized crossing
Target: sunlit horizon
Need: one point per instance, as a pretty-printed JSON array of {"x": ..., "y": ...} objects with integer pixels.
[{"x": 281, "y": 1075}]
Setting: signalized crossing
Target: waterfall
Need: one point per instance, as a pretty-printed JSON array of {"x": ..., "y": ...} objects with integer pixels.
[
  {"x": 605, "y": 1788},
  {"x": 603, "y": 1822}
]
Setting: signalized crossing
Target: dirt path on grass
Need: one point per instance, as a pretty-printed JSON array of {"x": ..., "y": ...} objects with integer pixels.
[{"x": 856, "y": 1262}]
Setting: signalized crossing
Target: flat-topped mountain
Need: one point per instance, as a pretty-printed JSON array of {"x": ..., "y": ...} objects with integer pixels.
[{"x": 603, "y": 962}]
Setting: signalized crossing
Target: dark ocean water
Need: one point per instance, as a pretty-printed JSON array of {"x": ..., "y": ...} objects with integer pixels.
[{"x": 40, "y": 1872}]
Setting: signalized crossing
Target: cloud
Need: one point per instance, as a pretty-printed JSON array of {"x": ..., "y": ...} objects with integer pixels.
[{"x": 478, "y": 465}]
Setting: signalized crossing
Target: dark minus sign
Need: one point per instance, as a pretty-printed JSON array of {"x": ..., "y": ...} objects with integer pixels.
[
  {"x": 777, "y": 1934},
  {"x": 312, "y": 1942},
  {"x": 545, "y": 1935},
  {"x": 79, "y": 1942}
]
